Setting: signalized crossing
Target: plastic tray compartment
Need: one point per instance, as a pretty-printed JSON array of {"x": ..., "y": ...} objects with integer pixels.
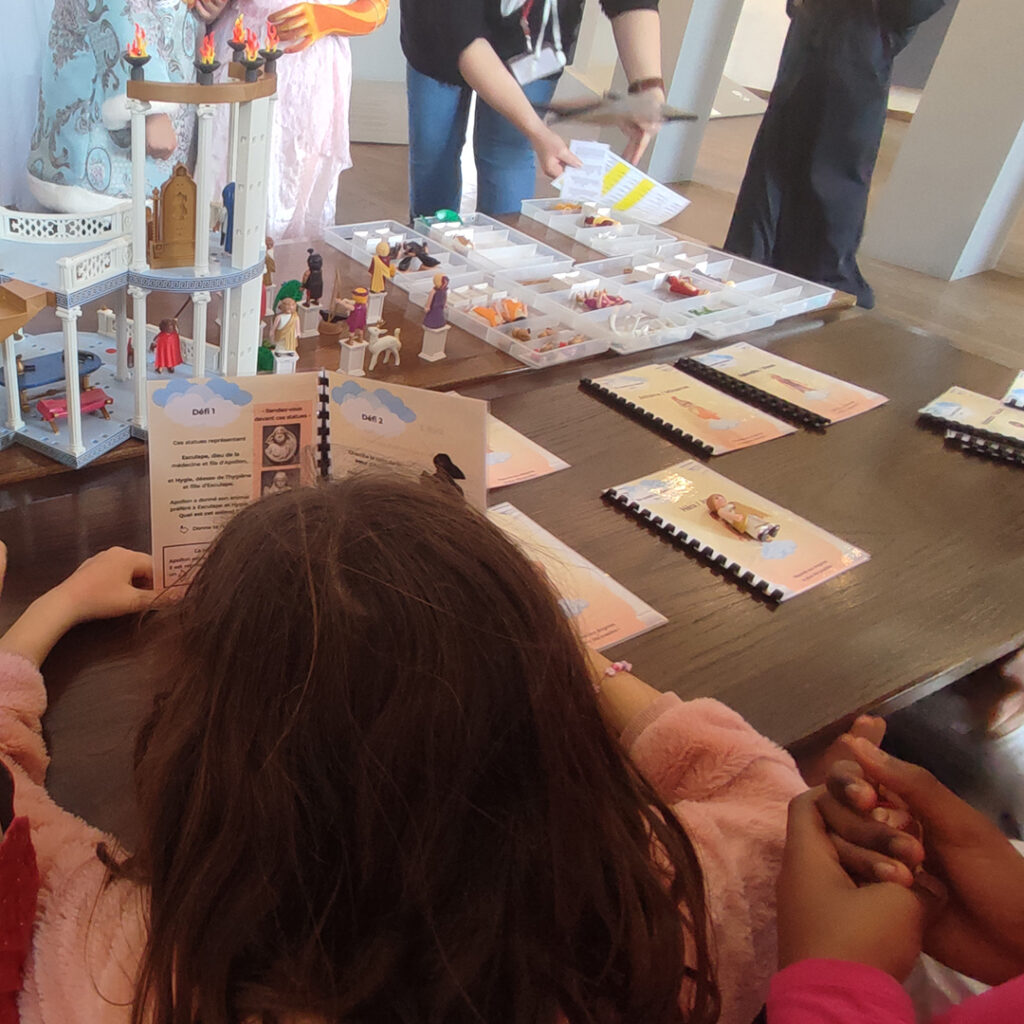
[
  {"x": 544, "y": 211},
  {"x": 790, "y": 295},
  {"x": 634, "y": 329},
  {"x": 464, "y": 299},
  {"x": 560, "y": 346},
  {"x": 656, "y": 297},
  {"x": 624, "y": 270},
  {"x": 728, "y": 312},
  {"x": 567, "y": 303},
  {"x": 495, "y": 246},
  {"x": 624, "y": 238}
]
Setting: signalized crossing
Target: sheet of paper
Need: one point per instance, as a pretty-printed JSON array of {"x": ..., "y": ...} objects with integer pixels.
[
  {"x": 214, "y": 446},
  {"x": 608, "y": 179},
  {"x": 817, "y": 392},
  {"x": 389, "y": 425},
  {"x": 604, "y": 612},
  {"x": 1015, "y": 396},
  {"x": 792, "y": 558},
  {"x": 977, "y": 413},
  {"x": 513, "y": 458},
  {"x": 714, "y": 418}
]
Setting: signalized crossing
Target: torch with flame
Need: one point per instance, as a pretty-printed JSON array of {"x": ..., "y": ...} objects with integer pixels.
[
  {"x": 273, "y": 39},
  {"x": 206, "y": 60},
  {"x": 207, "y": 51},
  {"x": 239, "y": 34},
  {"x": 252, "y": 45},
  {"x": 137, "y": 47}
]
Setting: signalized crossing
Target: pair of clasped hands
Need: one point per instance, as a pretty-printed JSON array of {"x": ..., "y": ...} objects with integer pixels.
[{"x": 883, "y": 861}]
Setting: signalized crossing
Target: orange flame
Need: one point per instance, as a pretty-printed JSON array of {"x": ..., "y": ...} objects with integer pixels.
[
  {"x": 207, "y": 52},
  {"x": 252, "y": 45},
  {"x": 137, "y": 47},
  {"x": 239, "y": 36},
  {"x": 272, "y": 38}
]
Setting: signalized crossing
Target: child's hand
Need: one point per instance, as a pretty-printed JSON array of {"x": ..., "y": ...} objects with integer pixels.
[
  {"x": 207, "y": 10},
  {"x": 822, "y": 914},
  {"x": 161, "y": 139}
]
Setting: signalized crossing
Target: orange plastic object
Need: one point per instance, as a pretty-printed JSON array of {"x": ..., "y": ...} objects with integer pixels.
[
  {"x": 303, "y": 24},
  {"x": 512, "y": 309},
  {"x": 492, "y": 316}
]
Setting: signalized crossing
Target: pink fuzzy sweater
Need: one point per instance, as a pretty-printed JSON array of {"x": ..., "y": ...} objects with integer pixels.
[{"x": 729, "y": 785}]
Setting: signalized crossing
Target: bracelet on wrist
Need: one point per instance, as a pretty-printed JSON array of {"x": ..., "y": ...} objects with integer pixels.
[
  {"x": 612, "y": 669},
  {"x": 645, "y": 85}
]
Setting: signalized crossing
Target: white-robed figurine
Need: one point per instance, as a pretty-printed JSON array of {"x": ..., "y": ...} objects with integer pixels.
[
  {"x": 80, "y": 157},
  {"x": 310, "y": 132}
]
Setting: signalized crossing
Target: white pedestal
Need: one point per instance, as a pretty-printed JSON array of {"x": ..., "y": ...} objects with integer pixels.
[
  {"x": 106, "y": 323},
  {"x": 433, "y": 343},
  {"x": 352, "y": 355},
  {"x": 309, "y": 321},
  {"x": 374, "y": 308},
  {"x": 285, "y": 362}
]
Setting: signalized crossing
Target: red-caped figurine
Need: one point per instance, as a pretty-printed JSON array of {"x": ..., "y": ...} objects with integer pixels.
[{"x": 167, "y": 346}]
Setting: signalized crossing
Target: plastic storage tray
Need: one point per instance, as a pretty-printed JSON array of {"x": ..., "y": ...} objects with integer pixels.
[
  {"x": 625, "y": 236},
  {"x": 490, "y": 245},
  {"x": 359, "y": 241}
]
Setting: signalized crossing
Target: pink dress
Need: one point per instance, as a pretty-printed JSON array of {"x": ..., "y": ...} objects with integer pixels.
[{"x": 310, "y": 144}]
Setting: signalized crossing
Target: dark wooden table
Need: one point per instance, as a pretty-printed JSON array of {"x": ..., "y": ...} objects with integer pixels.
[{"x": 940, "y": 597}]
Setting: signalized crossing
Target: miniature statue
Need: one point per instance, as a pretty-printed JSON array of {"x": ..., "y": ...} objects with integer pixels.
[
  {"x": 313, "y": 278},
  {"x": 389, "y": 344},
  {"x": 445, "y": 471},
  {"x": 380, "y": 268},
  {"x": 416, "y": 251},
  {"x": 286, "y": 325},
  {"x": 269, "y": 264},
  {"x": 167, "y": 346},
  {"x": 227, "y": 228},
  {"x": 278, "y": 485},
  {"x": 281, "y": 445},
  {"x": 357, "y": 315},
  {"x": 437, "y": 300},
  {"x": 742, "y": 518}
]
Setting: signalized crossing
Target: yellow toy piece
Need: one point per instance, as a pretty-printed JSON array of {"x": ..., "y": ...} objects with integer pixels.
[{"x": 303, "y": 24}]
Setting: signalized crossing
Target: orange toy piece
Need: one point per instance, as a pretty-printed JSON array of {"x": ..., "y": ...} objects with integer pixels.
[
  {"x": 491, "y": 315},
  {"x": 303, "y": 24},
  {"x": 512, "y": 309}
]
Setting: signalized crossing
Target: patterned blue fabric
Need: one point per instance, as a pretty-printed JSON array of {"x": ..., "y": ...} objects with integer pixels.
[{"x": 83, "y": 77}]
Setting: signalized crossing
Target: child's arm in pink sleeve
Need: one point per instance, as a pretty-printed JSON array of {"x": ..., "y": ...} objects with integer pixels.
[
  {"x": 1001, "y": 1005},
  {"x": 22, "y": 703},
  {"x": 837, "y": 992}
]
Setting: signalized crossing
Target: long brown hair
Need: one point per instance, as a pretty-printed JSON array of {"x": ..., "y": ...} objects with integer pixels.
[{"x": 378, "y": 789}]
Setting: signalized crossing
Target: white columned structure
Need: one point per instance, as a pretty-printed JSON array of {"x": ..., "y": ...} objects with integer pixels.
[
  {"x": 232, "y": 141},
  {"x": 139, "y": 109},
  {"x": 141, "y": 342},
  {"x": 69, "y": 323},
  {"x": 121, "y": 334},
  {"x": 14, "y": 420},
  {"x": 242, "y": 304},
  {"x": 204, "y": 113},
  {"x": 958, "y": 182},
  {"x": 200, "y": 305}
]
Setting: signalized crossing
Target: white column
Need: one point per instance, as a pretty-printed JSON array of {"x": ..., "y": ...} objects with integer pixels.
[
  {"x": 232, "y": 142},
  {"x": 958, "y": 182},
  {"x": 14, "y": 420},
  {"x": 69, "y": 323},
  {"x": 200, "y": 304},
  {"x": 205, "y": 113},
  {"x": 141, "y": 342},
  {"x": 121, "y": 334},
  {"x": 139, "y": 109}
]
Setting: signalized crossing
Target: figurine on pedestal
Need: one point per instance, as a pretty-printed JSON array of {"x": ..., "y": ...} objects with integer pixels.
[
  {"x": 269, "y": 266},
  {"x": 435, "y": 326},
  {"x": 286, "y": 325},
  {"x": 167, "y": 347},
  {"x": 357, "y": 315},
  {"x": 313, "y": 278},
  {"x": 380, "y": 272}
]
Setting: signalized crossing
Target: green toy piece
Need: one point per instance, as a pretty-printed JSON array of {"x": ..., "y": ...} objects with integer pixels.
[{"x": 289, "y": 290}]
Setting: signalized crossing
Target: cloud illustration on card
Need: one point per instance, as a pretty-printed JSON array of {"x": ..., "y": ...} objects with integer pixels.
[{"x": 209, "y": 403}]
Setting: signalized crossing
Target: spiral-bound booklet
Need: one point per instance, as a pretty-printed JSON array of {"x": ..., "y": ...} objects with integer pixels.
[
  {"x": 1015, "y": 396},
  {"x": 686, "y": 409},
  {"x": 986, "y": 418},
  {"x": 603, "y": 611},
  {"x": 216, "y": 444},
  {"x": 981, "y": 446},
  {"x": 764, "y": 545},
  {"x": 791, "y": 390},
  {"x": 513, "y": 458}
]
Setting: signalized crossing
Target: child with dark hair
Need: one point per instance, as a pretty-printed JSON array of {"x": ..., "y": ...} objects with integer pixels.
[{"x": 386, "y": 782}]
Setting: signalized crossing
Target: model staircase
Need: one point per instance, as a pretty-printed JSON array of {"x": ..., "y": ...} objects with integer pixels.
[{"x": 19, "y": 303}]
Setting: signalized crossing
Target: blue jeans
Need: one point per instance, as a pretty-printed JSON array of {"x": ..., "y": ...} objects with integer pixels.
[{"x": 505, "y": 165}]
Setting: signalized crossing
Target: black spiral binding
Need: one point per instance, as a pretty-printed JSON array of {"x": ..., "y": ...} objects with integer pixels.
[
  {"x": 646, "y": 417},
  {"x": 1014, "y": 454},
  {"x": 681, "y": 539},
  {"x": 952, "y": 427},
  {"x": 784, "y": 408},
  {"x": 323, "y": 430}
]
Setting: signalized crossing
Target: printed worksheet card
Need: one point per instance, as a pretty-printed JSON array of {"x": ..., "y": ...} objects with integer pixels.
[
  {"x": 214, "y": 446},
  {"x": 512, "y": 457},
  {"x": 977, "y": 414},
  {"x": 391, "y": 426},
  {"x": 715, "y": 421},
  {"x": 790, "y": 382},
  {"x": 1015, "y": 396},
  {"x": 603, "y": 611},
  {"x": 783, "y": 553}
]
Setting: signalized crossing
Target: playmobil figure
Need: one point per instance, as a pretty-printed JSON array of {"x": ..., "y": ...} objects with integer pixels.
[
  {"x": 269, "y": 264},
  {"x": 286, "y": 325},
  {"x": 437, "y": 300},
  {"x": 357, "y": 315},
  {"x": 389, "y": 344},
  {"x": 313, "y": 278},
  {"x": 167, "y": 346},
  {"x": 79, "y": 160},
  {"x": 281, "y": 445},
  {"x": 278, "y": 484},
  {"x": 446, "y": 471},
  {"x": 742, "y": 518},
  {"x": 380, "y": 268},
  {"x": 227, "y": 227},
  {"x": 416, "y": 251}
]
